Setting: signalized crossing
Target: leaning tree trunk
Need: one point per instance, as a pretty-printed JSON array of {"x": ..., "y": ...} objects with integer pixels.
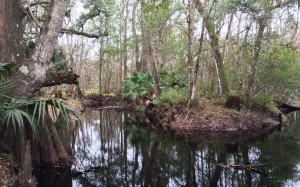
[
  {"x": 153, "y": 70},
  {"x": 262, "y": 24},
  {"x": 36, "y": 74},
  {"x": 147, "y": 58},
  {"x": 214, "y": 43}
]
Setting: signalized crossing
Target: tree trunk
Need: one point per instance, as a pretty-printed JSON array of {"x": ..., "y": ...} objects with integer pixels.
[
  {"x": 214, "y": 43},
  {"x": 147, "y": 53},
  {"x": 150, "y": 60},
  {"x": 61, "y": 151},
  {"x": 120, "y": 74},
  {"x": 136, "y": 39},
  {"x": 144, "y": 38},
  {"x": 191, "y": 174},
  {"x": 34, "y": 74},
  {"x": 191, "y": 30},
  {"x": 195, "y": 75},
  {"x": 101, "y": 52},
  {"x": 262, "y": 23},
  {"x": 11, "y": 32},
  {"x": 125, "y": 38}
]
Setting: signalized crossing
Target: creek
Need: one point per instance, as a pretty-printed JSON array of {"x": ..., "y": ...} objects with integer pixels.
[{"x": 111, "y": 150}]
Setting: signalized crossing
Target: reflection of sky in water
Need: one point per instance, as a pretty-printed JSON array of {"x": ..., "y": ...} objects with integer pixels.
[
  {"x": 296, "y": 181},
  {"x": 101, "y": 142}
]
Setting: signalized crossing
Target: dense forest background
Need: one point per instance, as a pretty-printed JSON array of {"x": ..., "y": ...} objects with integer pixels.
[
  {"x": 236, "y": 47},
  {"x": 166, "y": 49}
]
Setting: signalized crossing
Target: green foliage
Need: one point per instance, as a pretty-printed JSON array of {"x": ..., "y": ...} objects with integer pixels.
[
  {"x": 15, "y": 116},
  {"x": 28, "y": 47},
  {"x": 59, "y": 61},
  {"x": 263, "y": 100},
  {"x": 171, "y": 97},
  {"x": 280, "y": 70},
  {"x": 169, "y": 79},
  {"x": 138, "y": 136},
  {"x": 6, "y": 69},
  {"x": 157, "y": 13},
  {"x": 137, "y": 85},
  {"x": 16, "y": 113}
]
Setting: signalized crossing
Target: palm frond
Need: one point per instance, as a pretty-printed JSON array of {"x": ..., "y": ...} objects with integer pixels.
[
  {"x": 14, "y": 117},
  {"x": 6, "y": 69},
  {"x": 35, "y": 112},
  {"x": 3, "y": 89}
]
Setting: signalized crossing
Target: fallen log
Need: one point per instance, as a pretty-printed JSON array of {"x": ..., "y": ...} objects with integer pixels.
[
  {"x": 56, "y": 78},
  {"x": 244, "y": 167},
  {"x": 287, "y": 107},
  {"x": 91, "y": 169},
  {"x": 238, "y": 166},
  {"x": 112, "y": 107}
]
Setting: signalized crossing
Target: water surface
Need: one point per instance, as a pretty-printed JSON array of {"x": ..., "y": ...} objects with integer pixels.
[{"x": 110, "y": 150}]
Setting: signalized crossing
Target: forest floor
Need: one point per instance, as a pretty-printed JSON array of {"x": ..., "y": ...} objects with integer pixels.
[
  {"x": 206, "y": 120},
  {"x": 212, "y": 121},
  {"x": 11, "y": 173}
]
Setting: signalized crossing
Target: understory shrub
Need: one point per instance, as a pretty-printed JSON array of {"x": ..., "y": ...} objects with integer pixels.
[
  {"x": 263, "y": 100},
  {"x": 137, "y": 85},
  {"x": 171, "y": 97},
  {"x": 169, "y": 79}
]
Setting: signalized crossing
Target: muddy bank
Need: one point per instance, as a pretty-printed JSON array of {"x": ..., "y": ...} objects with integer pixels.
[
  {"x": 206, "y": 120},
  {"x": 107, "y": 102},
  {"x": 12, "y": 174},
  {"x": 212, "y": 122}
]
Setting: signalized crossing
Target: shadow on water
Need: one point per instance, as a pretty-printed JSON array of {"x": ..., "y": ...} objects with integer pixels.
[{"x": 110, "y": 150}]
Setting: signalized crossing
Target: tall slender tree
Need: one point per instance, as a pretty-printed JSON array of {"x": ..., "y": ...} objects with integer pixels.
[{"x": 215, "y": 46}]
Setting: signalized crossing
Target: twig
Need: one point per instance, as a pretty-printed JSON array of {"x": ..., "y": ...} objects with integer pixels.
[
  {"x": 112, "y": 107},
  {"x": 238, "y": 166}
]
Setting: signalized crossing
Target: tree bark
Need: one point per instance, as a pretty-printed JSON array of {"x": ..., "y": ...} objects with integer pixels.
[
  {"x": 262, "y": 23},
  {"x": 191, "y": 30},
  {"x": 147, "y": 54},
  {"x": 11, "y": 32},
  {"x": 191, "y": 173},
  {"x": 153, "y": 70},
  {"x": 136, "y": 39},
  {"x": 214, "y": 43},
  {"x": 144, "y": 38},
  {"x": 101, "y": 56},
  {"x": 34, "y": 74},
  {"x": 125, "y": 39}
]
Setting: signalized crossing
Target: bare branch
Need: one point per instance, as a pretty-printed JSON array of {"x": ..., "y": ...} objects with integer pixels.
[
  {"x": 282, "y": 4},
  {"x": 32, "y": 18},
  {"x": 70, "y": 31},
  {"x": 39, "y": 3}
]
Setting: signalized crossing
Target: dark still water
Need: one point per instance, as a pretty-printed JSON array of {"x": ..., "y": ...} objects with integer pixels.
[{"x": 110, "y": 150}]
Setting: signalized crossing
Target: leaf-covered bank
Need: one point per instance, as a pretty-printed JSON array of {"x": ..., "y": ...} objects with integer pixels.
[
  {"x": 206, "y": 120},
  {"x": 212, "y": 121},
  {"x": 12, "y": 174}
]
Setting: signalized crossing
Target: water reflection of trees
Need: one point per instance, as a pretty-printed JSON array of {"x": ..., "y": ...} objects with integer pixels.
[{"x": 127, "y": 155}]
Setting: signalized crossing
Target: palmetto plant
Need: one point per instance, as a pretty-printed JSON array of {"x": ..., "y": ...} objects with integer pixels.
[
  {"x": 18, "y": 112},
  {"x": 137, "y": 85}
]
